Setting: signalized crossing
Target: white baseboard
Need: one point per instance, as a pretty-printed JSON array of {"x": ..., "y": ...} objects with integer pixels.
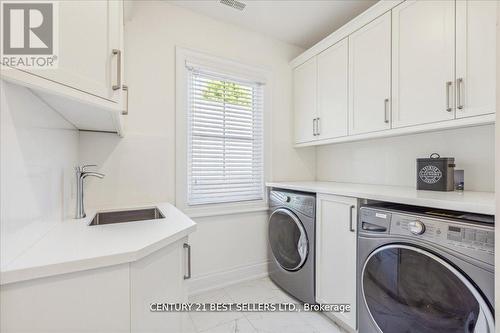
[
  {"x": 222, "y": 279},
  {"x": 338, "y": 322}
]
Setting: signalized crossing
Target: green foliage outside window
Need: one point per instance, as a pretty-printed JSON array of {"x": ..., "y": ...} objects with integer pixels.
[{"x": 227, "y": 92}]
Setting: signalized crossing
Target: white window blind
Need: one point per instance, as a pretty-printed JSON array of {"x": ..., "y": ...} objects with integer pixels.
[{"x": 225, "y": 143}]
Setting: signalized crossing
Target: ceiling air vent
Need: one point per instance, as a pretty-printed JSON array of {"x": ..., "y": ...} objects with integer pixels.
[{"x": 234, "y": 4}]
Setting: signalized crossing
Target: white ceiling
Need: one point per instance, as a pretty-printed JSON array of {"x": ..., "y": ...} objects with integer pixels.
[{"x": 299, "y": 22}]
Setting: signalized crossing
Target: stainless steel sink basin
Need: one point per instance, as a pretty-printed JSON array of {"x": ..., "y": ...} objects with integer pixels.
[{"x": 131, "y": 215}]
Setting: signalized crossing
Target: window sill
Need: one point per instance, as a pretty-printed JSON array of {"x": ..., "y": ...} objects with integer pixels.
[{"x": 219, "y": 210}]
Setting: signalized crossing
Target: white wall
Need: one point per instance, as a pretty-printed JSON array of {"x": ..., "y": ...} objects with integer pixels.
[
  {"x": 228, "y": 248},
  {"x": 38, "y": 151},
  {"x": 392, "y": 161},
  {"x": 141, "y": 167}
]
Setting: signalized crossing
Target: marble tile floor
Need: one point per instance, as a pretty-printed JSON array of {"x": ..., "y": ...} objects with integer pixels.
[{"x": 254, "y": 291}]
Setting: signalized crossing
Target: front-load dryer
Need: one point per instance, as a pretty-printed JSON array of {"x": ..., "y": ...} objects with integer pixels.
[
  {"x": 291, "y": 228},
  {"x": 425, "y": 270}
]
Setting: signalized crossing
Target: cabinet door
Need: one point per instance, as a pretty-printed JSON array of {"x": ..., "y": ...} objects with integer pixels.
[
  {"x": 88, "y": 33},
  {"x": 336, "y": 254},
  {"x": 370, "y": 77},
  {"x": 158, "y": 277},
  {"x": 95, "y": 300},
  {"x": 304, "y": 96},
  {"x": 423, "y": 62},
  {"x": 476, "y": 57},
  {"x": 332, "y": 91}
]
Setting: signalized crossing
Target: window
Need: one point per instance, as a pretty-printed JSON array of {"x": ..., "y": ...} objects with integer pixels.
[{"x": 225, "y": 152}]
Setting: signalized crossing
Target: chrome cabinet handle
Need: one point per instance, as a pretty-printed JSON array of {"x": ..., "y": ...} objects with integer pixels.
[
  {"x": 448, "y": 86},
  {"x": 118, "y": 84},
  {"x": 351, "y": 229},
  {"x": 386, "y": 104},
  {"x": 125, "y": 89},
  {"x": 318, "y": 126},
  {"x": 314, "y": 126},
  {"x": 188, "y": 247},
  {"x": 460, "y": 82}
]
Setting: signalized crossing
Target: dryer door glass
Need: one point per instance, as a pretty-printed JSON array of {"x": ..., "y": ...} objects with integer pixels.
[
  {"x": 288, "y": 239},
  {"x": 407, "y": 289}
]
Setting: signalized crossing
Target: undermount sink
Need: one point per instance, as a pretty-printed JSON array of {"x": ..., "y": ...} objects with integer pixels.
[{"x": 131, "y": 215}]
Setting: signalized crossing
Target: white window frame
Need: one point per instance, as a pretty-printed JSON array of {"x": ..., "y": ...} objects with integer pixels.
[{"x": 237, "y": 70}]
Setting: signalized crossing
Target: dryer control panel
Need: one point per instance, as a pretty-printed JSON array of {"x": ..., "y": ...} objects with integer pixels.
[
  {"x": 476, "y": 240},
  {"x": 473, "y": 240}
]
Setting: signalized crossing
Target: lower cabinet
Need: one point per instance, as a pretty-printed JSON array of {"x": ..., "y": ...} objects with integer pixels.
[
  {"x": 157, "y": 278},
  {"x": 336, "y": 218},
  {"x": 95, "y": 300},
  {"x": 112, "y": 299}
]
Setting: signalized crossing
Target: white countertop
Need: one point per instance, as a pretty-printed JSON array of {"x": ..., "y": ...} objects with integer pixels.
[
  {"x": 467, "y": 201},
  {"x": 74, "y": 246}
]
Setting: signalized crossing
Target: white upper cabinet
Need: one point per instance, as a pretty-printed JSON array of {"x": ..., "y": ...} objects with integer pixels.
[
  {"x": 89, "y": 31},
  {"x": 321, "y": 95},
  {"x": 332, "y": 91},
  {"x": 86, "y": 87},
  {"x": 305, "y": 88},
  {"x": 370, "y": 77},
  {"x": 413, "y": 66},
  {"x": 476, "y": 57},
  {"x": 423, "y": 62}
]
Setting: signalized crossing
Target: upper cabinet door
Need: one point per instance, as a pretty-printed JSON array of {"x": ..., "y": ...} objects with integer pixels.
[
  {"x": 333, "y": 91},
  {"x": 476, "y": 57},
  {"x": 370, "y": 77},
  {"x": 88, "y": 33},
  {"x": 304, "y": 94},
  {"x": 423, "y": 63}
]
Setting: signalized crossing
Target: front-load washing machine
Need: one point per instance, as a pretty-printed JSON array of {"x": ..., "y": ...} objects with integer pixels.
[
  {"x": 291, "y": 229},
  {"x": 424, "y": 270}
]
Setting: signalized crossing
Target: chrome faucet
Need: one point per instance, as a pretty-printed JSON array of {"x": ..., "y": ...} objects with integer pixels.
[{"x": 81, "y": 174}]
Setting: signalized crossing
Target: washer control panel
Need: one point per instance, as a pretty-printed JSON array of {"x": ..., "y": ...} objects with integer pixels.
[
  {"x": 416, "y": 227},
  {"x": 477, "y": 241},
  {"x": 304, "y": 206},
  {"x": 303, "y": 203}
]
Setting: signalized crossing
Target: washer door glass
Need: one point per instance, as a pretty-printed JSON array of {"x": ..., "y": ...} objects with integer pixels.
[
  {"x": 407, "y": 289},
  {"x": 288, "y": 239}
]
